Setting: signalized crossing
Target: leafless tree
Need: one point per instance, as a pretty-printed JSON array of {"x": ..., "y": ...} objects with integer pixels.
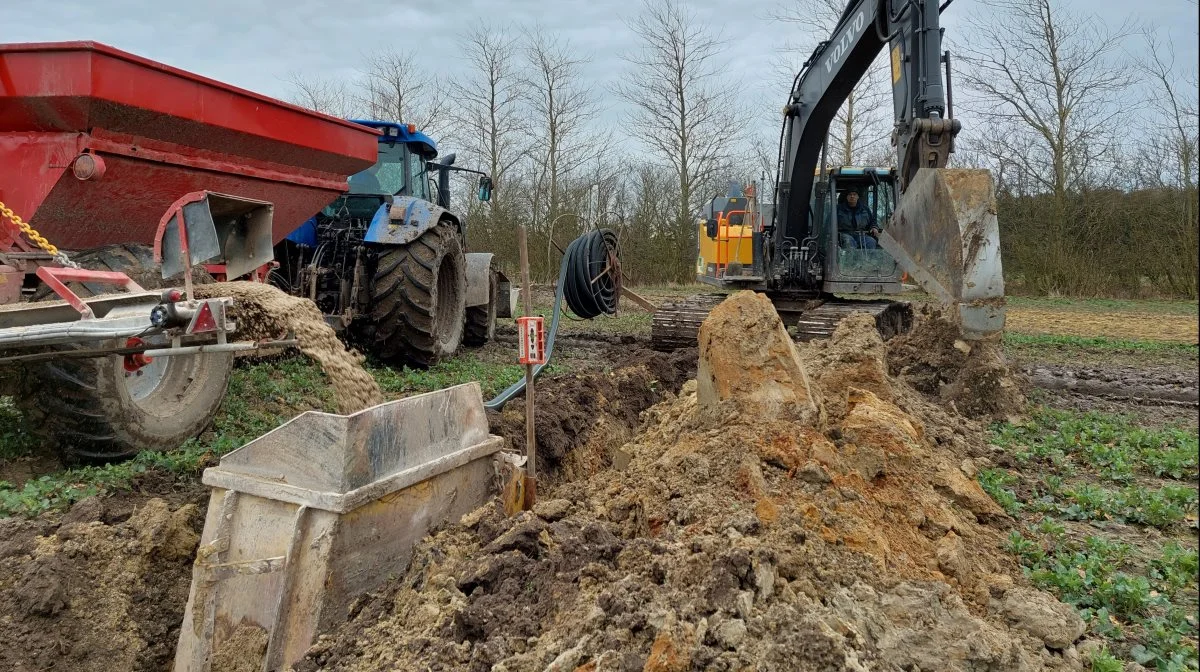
[
  {"x": 561, "y": 111},
  {"x": 487, "y": 108},
  {"x": 1171, "y": 142},
  {"x": 395, "y": 87},
  {"x": 682, "y": 110},
  {"x": 328, "y": 96},
  {"x": 861, "y": 131},
  {"x": 1050, "y": 76}
]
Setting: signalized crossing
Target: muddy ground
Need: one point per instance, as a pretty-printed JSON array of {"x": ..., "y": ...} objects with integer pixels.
[
  {"x": 61, "y": 608},
  {"x": 103, "y": 586},
  {"x": 785, "y": 512}
]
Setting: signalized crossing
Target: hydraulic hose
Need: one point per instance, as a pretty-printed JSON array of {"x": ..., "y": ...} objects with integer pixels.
[{"x": 589, "y": 279}]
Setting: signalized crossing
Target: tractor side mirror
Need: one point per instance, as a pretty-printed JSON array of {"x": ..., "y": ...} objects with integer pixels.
[
  {"x": 710, "y": 228},
  {"x": 485, "y": 188}
]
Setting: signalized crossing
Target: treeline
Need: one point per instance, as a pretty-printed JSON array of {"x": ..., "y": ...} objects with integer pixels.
[
  {"x": 1097, "y": 195},
  {"x": 1108, "y": 242}
]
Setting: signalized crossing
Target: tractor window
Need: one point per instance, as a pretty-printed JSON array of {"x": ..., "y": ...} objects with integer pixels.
[
  {"x": 419, "y": 185},
  {"x": 388, "y": 175}
]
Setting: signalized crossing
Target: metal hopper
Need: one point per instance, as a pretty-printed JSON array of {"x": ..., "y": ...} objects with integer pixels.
[{"x": 306, "y": 518}]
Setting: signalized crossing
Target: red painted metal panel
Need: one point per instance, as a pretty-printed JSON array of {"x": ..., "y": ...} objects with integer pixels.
[{"x": 162, "y": 132}]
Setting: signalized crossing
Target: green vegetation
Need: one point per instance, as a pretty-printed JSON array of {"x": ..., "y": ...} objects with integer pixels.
[
  {"x": 1151, "y": 613},
  {"x": 1081, "y": 480},
  {"x": 1112, "y": 446},
  {"x": 492, "y": 377},
  {"x": 261, "y": 397},
  {"x": 15, "y": 439},
  {"x": 1097, "y": 343},
  {"x": 1062, "y": 303}
]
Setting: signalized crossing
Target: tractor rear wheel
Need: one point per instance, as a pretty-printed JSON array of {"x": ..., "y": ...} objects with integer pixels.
[
  {"x": 95, "y": 410},
  {"x": 418, "y": 298},
  {"x": 481, "y": 320}
]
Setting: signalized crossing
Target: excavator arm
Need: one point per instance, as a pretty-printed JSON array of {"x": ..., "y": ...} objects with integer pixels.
[{"x": 944, "y": 231}]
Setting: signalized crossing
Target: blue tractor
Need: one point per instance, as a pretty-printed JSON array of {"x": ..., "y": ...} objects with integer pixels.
[{"x": 387, "y": 263}]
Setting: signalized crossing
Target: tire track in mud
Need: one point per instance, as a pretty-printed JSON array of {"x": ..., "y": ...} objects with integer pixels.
[{"x": 1117, "y": 383}]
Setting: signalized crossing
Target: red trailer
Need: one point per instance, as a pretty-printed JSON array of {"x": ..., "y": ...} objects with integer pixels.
[
  {"x": 95, "y": 146},
  {"x": 152, "y": 133}
]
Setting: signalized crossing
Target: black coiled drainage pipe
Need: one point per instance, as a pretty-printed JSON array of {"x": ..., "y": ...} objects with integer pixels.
[{"x": 590, "y": 280}]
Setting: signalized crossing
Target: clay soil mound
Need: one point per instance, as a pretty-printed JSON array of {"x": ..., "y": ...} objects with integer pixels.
[
  {"x": 581, "y": 418},
  {"x": 105, "y": 590},
  {"x": 743, "y": 534},
  {"x": 972, "y": 377}
]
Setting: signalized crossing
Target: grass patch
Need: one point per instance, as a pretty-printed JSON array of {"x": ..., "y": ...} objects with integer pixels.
[
  {"x": 1098, "y": 344},
  {"x": 1133, "y": 588},
  {"x": 1156, "y": 306},
  {"x": 261, "y": 397},
  {"x": 492, "y": 376},
  {"x": 629, "y": 320}
]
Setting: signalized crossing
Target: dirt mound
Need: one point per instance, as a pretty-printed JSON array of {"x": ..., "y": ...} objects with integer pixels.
[
  {"x": 264, "y": 312},
  {"x": 734, "y": 540},
  {"x": 972, "y": 376},
  {"x": 582, "y": 417},
  {"x": 94, "y": 595}
]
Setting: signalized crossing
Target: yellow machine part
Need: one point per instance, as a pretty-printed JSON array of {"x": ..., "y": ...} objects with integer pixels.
[{"x": 734, "y": 243}]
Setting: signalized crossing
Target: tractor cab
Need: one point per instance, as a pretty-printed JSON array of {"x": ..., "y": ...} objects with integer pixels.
[
  {"x": 858, "y": 203},
  {"x": 401, "y": 169}
]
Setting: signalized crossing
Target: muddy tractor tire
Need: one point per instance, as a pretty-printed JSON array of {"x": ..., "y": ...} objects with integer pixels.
[
  {"x": 481, "y": 320},
  {"x": 418, "y": 298},
  {"x": 95, "y": 410}
]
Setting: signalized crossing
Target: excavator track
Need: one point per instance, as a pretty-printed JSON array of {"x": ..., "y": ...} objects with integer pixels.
[{"x": 676, "y": 324}]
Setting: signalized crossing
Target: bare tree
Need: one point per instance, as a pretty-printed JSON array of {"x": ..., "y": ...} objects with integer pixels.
[
  {"x": 562, "y": 108},
  {"x": 328, "y": 96},
  {"x": 1173, "y": 134},
  {"x": 1167, "y": 159},
  {"x": 861, "y": 131},
  {"x": 682, "y": 110},
  {"x": 1053, "y": 76},
  {"x": 487, "y": 108},
  {"x": 395, "y": 87}
]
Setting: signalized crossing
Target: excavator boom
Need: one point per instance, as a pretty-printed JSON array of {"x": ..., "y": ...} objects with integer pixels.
[{"x": 944, "y": 231}]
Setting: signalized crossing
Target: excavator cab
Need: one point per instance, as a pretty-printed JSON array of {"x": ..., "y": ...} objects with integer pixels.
[{"x": 855, "y": 262}]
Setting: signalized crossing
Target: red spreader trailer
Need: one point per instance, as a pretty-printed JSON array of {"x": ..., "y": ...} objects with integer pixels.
[{"x": 144, "y": 170}]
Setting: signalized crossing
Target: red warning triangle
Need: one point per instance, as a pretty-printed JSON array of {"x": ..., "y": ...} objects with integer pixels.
[{"x": 204, "y": 320}]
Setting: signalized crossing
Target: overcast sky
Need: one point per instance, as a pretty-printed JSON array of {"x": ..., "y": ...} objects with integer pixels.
[{"x": 256, "y": 43}]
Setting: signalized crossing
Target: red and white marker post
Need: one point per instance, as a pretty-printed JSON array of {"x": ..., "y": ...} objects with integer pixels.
[{"x": 532, "y": 352}]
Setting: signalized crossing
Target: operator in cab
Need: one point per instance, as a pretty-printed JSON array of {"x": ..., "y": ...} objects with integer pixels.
[{"x": 856, "y": 223}]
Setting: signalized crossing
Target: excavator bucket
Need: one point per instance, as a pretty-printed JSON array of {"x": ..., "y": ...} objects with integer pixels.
[{"x": 945, "y": 234}]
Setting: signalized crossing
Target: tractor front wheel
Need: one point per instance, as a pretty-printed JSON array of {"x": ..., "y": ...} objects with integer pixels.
[{"x": 418, "y": 298}]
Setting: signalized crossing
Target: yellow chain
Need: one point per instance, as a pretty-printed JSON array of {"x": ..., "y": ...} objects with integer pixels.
[{"x": 29, "y": 231}]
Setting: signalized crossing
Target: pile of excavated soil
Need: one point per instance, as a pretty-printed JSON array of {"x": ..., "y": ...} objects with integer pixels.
[
  {"x": 103, "y": 590},
  {"x": 971, "y": 376},
  {"x": 581, "y": 418},
  {"x": 264, "y": 312},
  {"x": 746, "y": 531}
]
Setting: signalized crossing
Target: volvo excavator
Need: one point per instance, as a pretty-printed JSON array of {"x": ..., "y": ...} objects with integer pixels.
[{"x": 932, "y": 224}]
